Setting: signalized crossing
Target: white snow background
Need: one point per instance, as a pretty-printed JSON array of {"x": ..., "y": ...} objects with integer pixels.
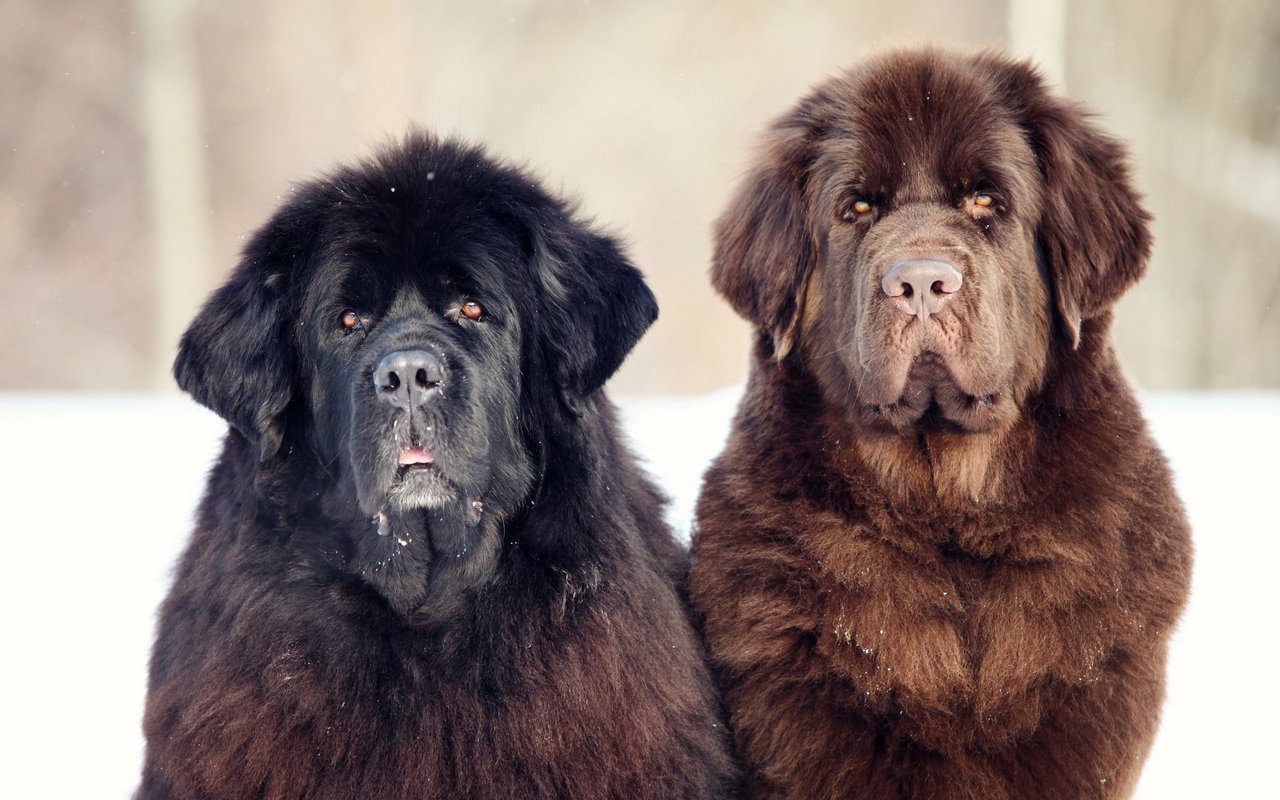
[{"x": 97, "y": 495}]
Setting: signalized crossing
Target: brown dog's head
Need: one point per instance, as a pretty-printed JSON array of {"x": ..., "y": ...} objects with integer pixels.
[{"x": 924, "y": 230}]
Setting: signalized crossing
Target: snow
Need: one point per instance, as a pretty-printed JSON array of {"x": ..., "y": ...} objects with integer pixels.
[{"x": 99, "y": 492}]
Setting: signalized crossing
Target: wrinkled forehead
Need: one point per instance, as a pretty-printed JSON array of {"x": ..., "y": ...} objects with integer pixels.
[{"x": 921, "y": 128}]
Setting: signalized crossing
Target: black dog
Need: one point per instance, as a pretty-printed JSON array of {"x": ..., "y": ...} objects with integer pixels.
[{"x": 425, "y": 564}]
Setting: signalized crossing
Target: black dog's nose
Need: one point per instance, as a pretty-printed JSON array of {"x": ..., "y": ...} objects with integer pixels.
[
  {"x": 921, "y": 286},
  {"x": 406, "y": 378}
]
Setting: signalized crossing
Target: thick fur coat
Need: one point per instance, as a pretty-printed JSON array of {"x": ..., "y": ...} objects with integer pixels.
[
  {"x": 940, "y": 555},
  {"x": 426, "y": 565}
]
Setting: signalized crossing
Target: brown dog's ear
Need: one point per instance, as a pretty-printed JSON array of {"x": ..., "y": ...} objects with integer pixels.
[
  {"x": 1093, "y": 230},
  {"x": 764, "y": 244}
]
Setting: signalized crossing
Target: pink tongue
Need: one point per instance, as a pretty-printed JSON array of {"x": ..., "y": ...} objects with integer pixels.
[{"x": 416, "y": 455}]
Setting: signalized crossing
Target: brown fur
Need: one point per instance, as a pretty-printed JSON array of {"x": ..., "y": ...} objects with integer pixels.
[{"x": 940, "y": 559}]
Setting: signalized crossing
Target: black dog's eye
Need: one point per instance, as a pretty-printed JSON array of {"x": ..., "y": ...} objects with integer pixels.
[
  {"x": 351, "y": 321},
  {"x": 473, "y": 310}
]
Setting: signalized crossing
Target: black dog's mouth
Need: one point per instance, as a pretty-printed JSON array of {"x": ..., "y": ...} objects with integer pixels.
[
  {"x": 416, "y": 457},
  {"x": 418, "y": 481}
]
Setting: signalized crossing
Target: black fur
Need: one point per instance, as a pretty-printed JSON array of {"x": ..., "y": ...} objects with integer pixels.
[{"x": 501, "y": 623}]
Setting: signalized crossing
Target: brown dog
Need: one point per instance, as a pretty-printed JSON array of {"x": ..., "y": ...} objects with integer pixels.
[{"x": 940, "y": 556}]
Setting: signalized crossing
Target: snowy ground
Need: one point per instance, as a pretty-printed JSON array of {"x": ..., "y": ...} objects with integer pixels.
[{"x": 96, "y": 495}]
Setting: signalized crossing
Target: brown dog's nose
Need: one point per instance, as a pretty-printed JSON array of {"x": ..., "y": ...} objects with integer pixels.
[{"x": 921, "y": 286}]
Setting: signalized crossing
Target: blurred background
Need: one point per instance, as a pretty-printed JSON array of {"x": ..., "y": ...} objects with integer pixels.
[{"x": 141, "y": 142}]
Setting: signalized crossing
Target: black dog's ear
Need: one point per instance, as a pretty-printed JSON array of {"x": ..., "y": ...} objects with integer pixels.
[
  {"x": 1093, "y": 230},
  {"x": 596, "y": 306},
  {"x": 765, "y": 249},
  {"x": 235, "y": 358}
]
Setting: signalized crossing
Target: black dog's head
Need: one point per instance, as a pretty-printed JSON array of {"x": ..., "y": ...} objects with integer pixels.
[{"x": 411, "y": 327}]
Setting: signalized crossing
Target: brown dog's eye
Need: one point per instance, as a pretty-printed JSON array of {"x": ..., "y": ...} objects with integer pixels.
[
  {"x": 857, "y": 208},
  {"x": 351, "y": 320},
  {"x": 980, "y": 205},
  {"x": 473, "y": 310}
]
